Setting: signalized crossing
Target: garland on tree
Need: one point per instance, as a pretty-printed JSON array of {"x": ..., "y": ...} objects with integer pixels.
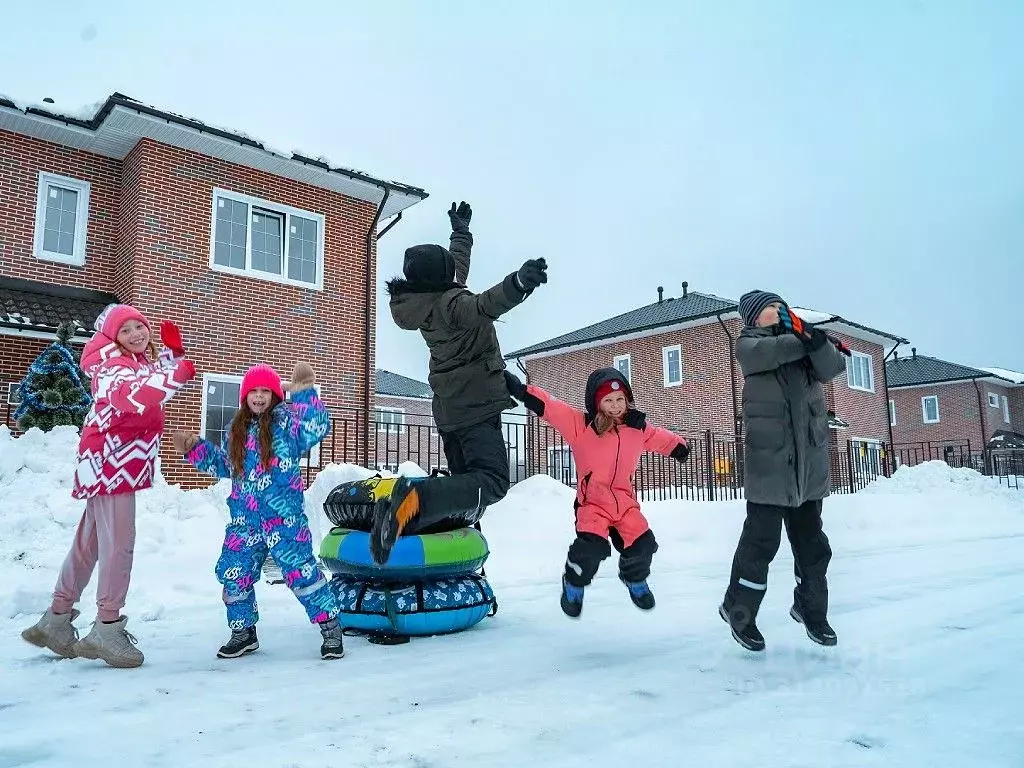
[{"x": 55, "y": 391}]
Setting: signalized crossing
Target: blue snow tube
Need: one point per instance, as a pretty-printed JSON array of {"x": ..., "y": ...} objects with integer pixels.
[{"x": 433, "y": 607}]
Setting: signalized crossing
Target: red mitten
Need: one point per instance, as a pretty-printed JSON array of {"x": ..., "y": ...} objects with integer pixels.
[{"x": 171, "y": 338}]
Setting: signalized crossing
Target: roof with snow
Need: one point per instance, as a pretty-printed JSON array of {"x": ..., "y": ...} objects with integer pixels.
[
  {"x": 396, "y": 385},
  {"x": 1004, "y": 373},
  {"x": 919, "y": 370},
  {"x": 691, "y": 307},
  {"x": 27, "y": 305},
  {"x": 113, "y": 127}
]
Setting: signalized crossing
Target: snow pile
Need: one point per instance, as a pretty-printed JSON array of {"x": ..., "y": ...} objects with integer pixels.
[{"x": 938, "y": 477}]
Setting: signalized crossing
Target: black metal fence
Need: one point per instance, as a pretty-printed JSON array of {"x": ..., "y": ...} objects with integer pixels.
[{"x": 714, "y": 470}]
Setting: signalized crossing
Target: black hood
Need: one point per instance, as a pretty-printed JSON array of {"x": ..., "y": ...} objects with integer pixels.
[
  {"x": 599, "y": 377},
  {"x": 429, "y": 264}
]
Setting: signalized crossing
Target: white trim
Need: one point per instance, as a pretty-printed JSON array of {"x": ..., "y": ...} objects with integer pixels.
[
  {"x": 404, "y": 397},
  {"x": 209, "y": 378},
  {"x": 992, "y": 396},
  {"x": 924, "y": 410},
  {"x": 892, "y": 412},
  {"x": 1006, "y": 409},
  {"x": 42, "y": 335},
  {"x": 629, "y": 361},
  {"x": 854, "y": 355},
  {"x": 987, "y": 380},
  {"x": 286, "y": 212},
  {"x": 11, "y": 386},
  {"x": 665, "y": 351},
  {"x": 82, "y": 188},
  {"x": 388, "y": 426}
]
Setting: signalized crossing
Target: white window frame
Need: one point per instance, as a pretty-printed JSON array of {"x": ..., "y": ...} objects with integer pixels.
[
  {"x": 854, "y": 355},
  {"x": 993, "y": 400},
  {"x": 665, "y": 351},
  {"x": 14, "y": 393},
  {"x": 389, "y": 427},
  {"x": 83, "y": 188},
  {"x": 564, "y": 450},
  {"x": 924, "y": 409},
  {"x": 286, "y": 211},
  {"x": 212, "y": 378},
  {"x": 1006, "y": 410},
  {"x": 892, "y": 413},
  {"x": 629, "y": 365}
]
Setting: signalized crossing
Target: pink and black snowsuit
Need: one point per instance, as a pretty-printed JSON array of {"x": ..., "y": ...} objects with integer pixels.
[{"x": 606, "y": 504}]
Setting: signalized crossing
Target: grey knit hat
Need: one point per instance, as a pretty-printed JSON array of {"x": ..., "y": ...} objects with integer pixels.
[{"x": 752, "y": 304}]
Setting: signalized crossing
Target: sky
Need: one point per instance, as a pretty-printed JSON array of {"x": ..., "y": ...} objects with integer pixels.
[{"x": 859, "y": 158}]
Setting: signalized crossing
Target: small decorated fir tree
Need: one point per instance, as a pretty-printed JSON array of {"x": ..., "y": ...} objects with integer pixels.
[{"x": 55, "y": 392}]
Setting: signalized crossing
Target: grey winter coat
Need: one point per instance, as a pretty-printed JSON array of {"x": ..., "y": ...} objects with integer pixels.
[
  {"x": 466, "y": 366},
  {"x": 785, "y": 418}
]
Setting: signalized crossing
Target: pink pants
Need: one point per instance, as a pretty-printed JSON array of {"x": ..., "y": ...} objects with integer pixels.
[{"x": 106, "y": 533}]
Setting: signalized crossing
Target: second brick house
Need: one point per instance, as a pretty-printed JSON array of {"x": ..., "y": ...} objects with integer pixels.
[
  {"x": 677, "y": 353},
  {"x": 257, "y": 255}
]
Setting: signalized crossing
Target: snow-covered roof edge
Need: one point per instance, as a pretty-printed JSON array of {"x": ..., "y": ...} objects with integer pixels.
[{"x": 1015, "y": 376}]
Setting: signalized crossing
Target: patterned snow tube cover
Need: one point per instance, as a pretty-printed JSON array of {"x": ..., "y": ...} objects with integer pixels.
[
  {"x": 350, "y": 505},
  {"x": 414, "y": 558},
  {"x": 436, "y": 607}
]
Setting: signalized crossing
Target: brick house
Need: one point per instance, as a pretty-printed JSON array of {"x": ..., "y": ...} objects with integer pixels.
[
  {"x": 257, "y": 255},
  {"x": 677, "y": 353},
  {"x": 951, "y": 405},
  {"x": 404, "y": 424}
]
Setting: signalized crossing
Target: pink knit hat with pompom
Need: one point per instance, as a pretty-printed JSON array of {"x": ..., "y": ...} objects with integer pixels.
[{"x": 261, "y": 375}]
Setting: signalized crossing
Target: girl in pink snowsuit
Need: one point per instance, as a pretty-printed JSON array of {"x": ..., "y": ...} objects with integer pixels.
[{"x": 607, "y": 442}]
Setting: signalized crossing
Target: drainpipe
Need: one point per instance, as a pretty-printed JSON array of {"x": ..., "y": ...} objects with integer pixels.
[
  {"x": 370, "y": 297},
  {"x": 736, "y": 428},
  {"x": 888, "y": 418},
  {"x": 981, "y": 415}
]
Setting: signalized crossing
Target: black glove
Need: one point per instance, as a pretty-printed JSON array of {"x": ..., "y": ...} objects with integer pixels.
[
  {"x": 681, "y": 452},
  {"x": 518, "y": 390},
  {"x": 815, "y": 338},
  {"x": 635, "y": 419},
  {"x": 460, "y": 217},
  {"x": 531, "y": 274}
]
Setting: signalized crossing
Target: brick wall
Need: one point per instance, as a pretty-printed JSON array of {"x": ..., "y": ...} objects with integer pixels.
[
  {"x": 21, "y": 160},
  {"x": 866, "y": 412},
  {"x": 959, "y": 419},
  {"x": 416, "y": 441}
]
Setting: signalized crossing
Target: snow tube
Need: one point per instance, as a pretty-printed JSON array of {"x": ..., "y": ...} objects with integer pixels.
[
  {"x": 350, "y": 505},
  {"x": 414, "y": 558},
  {"x": 437, "y": 607}
]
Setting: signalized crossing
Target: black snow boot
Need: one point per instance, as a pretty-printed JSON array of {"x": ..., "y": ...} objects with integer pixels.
[
  {"x": 242, "y": 641},
  {"x": 640, "y": 594},
  {"x": 572, "y": 599},
  {"x": 744, "y": 632},
  {"x": 819, "y": 631},
  {"x": 333, "y": 645}
]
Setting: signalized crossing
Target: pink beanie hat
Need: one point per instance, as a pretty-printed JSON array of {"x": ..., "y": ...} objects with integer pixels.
[
  {"x": 113, "y": 316},
  {"x": 260, "y": 376}
]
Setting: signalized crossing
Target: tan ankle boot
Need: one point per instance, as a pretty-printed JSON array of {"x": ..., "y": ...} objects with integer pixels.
[
  {"x": 54, "y": 631},
  {"x": 112, "y": 643}
]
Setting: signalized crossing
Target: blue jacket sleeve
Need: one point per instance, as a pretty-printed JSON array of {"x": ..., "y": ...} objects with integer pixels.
[
  {"x": 311, "y": 422},
  {"x": 210, "y": 459}
]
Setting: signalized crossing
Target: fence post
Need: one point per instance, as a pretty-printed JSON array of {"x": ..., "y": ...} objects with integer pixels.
[
  {"x": 709, "y": 468},
  {"x": 849, "y": 464}
]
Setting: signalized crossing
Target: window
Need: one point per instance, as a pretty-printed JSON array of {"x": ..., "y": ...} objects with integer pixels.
[
  {"x": 266, "y": 240},
  {"x": 672, "y": 362},
  {"x": 390, "y": 419},
  {"x": 220, "y": 402},
  {"x": 892, "y": 413},
  {"x": 860, "y": 372},
  {"x": 1006, "y": 410},
  {"x": 622, "y": 365},
  {"x": 561, "y": 464},
  {"x": 62, "y": 213},
  {"x": 14, "y": 393},
  {"x": 930, "y": 409},
  {"x": 993, "y": 400}
]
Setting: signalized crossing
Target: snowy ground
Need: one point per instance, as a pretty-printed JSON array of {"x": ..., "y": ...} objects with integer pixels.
[{"x": 927, "y": 591}]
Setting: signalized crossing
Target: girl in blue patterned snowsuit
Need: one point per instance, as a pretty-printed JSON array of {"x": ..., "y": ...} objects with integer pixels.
[{"x": 261, "y": 454}]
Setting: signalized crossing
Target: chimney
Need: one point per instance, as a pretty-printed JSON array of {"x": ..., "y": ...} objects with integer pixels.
[
  {"x": 913, "y": 351},
  {"x": 895, "y": 355},
  {"x": 685, "y": 287},
  {"x": 661, "y": 292}
]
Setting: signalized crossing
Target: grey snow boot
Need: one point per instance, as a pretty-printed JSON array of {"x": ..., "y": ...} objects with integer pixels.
[
  {"x": 241, "y": 642},
  {"x": 333, "y": 645},
  {"x": 112, "y": 643},
  {"x": 54, "y": 631}
]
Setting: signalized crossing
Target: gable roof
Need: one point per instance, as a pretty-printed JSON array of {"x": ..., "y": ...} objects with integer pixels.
[
  {"x": 691, "y": 307},
  {"x": 919, "y": 370},
  {"x": 396, "y": 385},
  {"x": 116, "y": 125},
  {"x": 28, "y": 305}
]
